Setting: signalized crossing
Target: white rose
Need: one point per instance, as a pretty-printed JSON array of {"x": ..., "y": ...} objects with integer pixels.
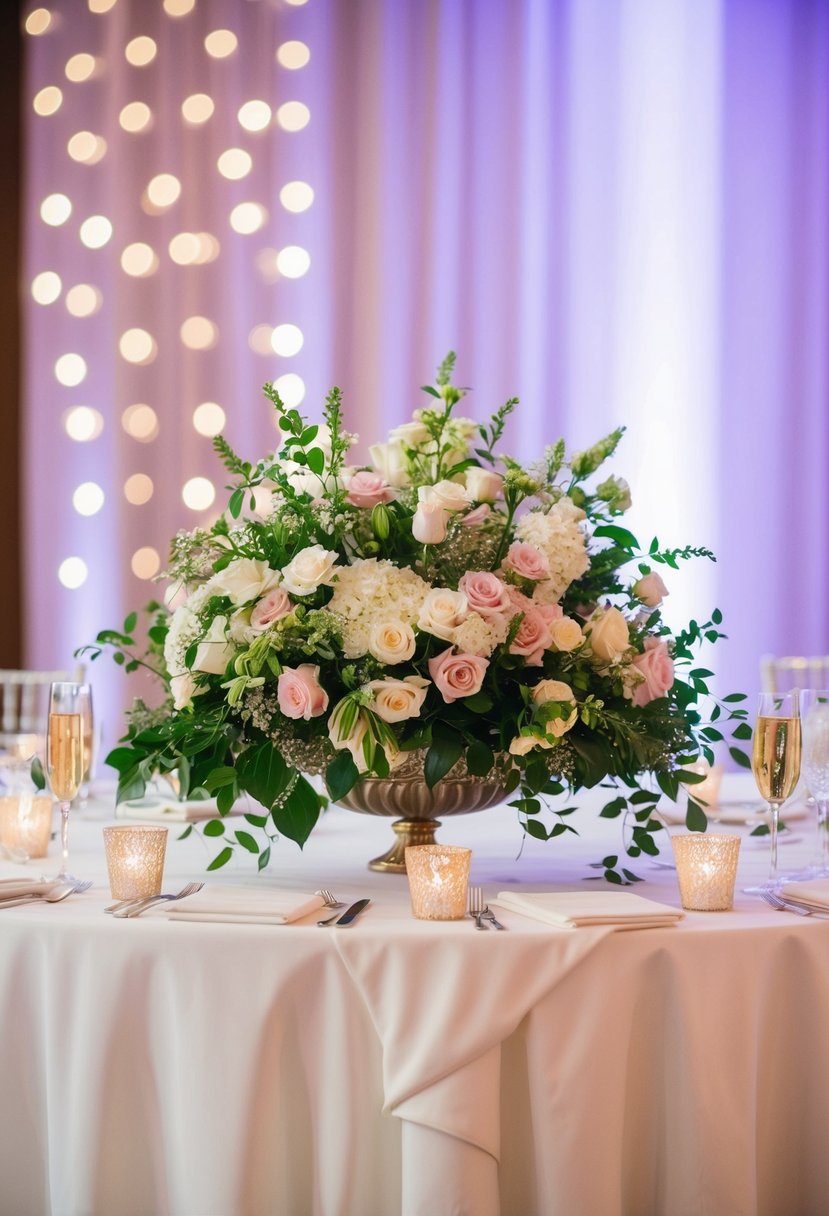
[
  {"x": 244, "y": 580},
  {"x": 567, "y": 634},
  {"x": 214, "y": 651},
  {"x": 442, "y": 611},
  {"x": 184, "y": 688},
  {"x": 397, "y": 700},
  {"x": 412, "y": 434},
  {"x": 483, "y": 485},
  {"x": 392, "y": 641},
  {"x": 608, "y": 633},
  {"x": 446, "y": 494},
  {"x": 308, "y": 570},
  {"x": 390, "y": 460}
]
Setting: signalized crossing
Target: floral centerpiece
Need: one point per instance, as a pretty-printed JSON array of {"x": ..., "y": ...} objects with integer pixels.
[{"x": 443, "y": 600}]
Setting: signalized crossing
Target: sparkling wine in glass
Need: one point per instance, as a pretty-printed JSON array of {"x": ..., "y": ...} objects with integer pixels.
[
  {"x": 775, "y": 758},
  {"x": 65, "y": 755},
  {"x": 814, "y": 711}
]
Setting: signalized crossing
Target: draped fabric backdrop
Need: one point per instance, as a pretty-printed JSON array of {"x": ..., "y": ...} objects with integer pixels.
[{"x": 617, "y": 209}]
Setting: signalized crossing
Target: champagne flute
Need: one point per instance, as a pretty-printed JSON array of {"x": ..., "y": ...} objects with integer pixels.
[
  {"x": 775, "y": 759},
  {"x": 65, "y": 754},
  {"x": 814, "y": 705}
]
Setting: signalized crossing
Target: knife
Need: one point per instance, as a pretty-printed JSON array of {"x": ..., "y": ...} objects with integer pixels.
[{"x": 355, "y": 910}]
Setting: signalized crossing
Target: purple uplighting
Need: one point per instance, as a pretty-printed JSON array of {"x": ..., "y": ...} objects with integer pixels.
[{"x": 618, "y": 212}]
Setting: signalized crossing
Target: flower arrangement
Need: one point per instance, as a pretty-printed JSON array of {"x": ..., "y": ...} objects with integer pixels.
[{"x": 444, "y": 599}]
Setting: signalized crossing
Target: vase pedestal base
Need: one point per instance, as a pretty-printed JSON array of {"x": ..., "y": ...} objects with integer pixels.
[{"x": 408, "y": 832}]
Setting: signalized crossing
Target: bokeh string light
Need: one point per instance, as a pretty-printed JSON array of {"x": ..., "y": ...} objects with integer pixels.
[{"x": 150, "y": 215}]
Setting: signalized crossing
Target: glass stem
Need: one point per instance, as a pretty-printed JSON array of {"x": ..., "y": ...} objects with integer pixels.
[
  {"x": 775, "y": 816},
  {"x": 64, "y": 836},
  {"x": 823, "y": 834}
]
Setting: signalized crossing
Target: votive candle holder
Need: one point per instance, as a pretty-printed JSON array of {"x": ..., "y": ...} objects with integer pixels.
[
  {"x": 438, "y": 880},
  {"x": 135, "y": 860},
  {"x": 706, "y": 867},
  {"x": 26, "y": 822}
]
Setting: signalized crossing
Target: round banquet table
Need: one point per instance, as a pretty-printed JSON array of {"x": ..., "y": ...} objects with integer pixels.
[{"x": 206, "y": 1069}]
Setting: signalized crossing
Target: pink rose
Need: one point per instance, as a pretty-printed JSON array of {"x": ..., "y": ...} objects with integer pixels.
[
  {"x": 300, "y": 693},
  {"x": 519, "y": 601},
  {"x": 650, "y": 589},
  {"x": 485, "y": 593},
  {"x": 656, "y": 665},
  {"x": 533, "y": 637},
  {"x": 270, "y": 608},
  {"x": 476, "y": 516},
  {"x": 550, "y": 612},
  {"x": 366, "y": 489},
  {"x": 429, "y": 523},
  {"x": 457, "y": 675},
  {"x": 527, "y": 561}
]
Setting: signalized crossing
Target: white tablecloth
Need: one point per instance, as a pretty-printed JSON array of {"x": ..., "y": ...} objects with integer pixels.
[{"x": 152, "y": 1067}]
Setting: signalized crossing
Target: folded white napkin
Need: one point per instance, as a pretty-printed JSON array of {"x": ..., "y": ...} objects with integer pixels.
[
  {"x": 813, "y": 891},
  {"x": 244, "y": 905},
  {"x": 13, "y": 888},
  {"x": 572, "y": 909},
  {"x": 168, "y": 810}
]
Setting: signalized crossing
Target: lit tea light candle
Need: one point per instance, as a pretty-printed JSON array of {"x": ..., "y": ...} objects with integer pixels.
[
  {"x": 706, "y": 867},
  {"x": 26, "y": 822},
  {"x": 707, "y": 790},
  {"x": 135, "y": 860},
  {"x": 438, "y": 880}
]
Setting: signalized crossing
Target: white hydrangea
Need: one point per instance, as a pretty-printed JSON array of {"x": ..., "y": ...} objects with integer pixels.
[
  {"x": 479, "y": 635},
  {"x": 370, "y": 592},
  {"x": 185, "y": 628},
  {"x": 558, "y": 534}
]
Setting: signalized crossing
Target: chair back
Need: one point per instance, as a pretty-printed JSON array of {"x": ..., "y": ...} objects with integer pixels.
[
  {"x": 24, "y": 704},
  {"x": 793, "y": 671}
]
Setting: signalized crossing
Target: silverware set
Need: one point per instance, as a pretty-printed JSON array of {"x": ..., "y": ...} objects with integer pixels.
[
  {"x": 130, "y": 908},
  {"x": 347, "y": 917},
  {"x": 799, "y": 907},
  {"x": 479, "y": 910},
  {"x": 51, "y": 893}
]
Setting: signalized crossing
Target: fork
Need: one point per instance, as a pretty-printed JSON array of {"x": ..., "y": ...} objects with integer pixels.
[
  {"x": 135, "y": 909},
  {"x": 53, "y": 896},
  {"x": 477, "y": 907},
  {"x": 330, "y": 901},
  {"x": 128, "y": 903},
  {"x": 774, "y": 901}
]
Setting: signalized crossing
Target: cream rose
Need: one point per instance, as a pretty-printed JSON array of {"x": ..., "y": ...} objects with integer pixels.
[
  {"x": 184, "y": 688},
  {"x": 608, "y": 633},
  {"x": 650, "y": 589},
  {"x": 547, "y": 691},
  {"x": 397, "y": 700},
  {"x": 566, "y": 634},
  {"x": 447, "y": 494},
  {"x": 483, "y": 485},
  {"x": 429, "y": 523},
  {"x": 392, "y": 641},
  {"x": 244, "y": 580},
  {"x": 442, "y": 611},
  {"x": 389, "y": 460},
  {"x": 309, "y": 570},
  {"x": 413, "y": 434},
  {"x": 214, "y": 651}
]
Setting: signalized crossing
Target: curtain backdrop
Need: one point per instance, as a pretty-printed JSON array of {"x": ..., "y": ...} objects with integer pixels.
[{"x": 617, "y": 209}]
